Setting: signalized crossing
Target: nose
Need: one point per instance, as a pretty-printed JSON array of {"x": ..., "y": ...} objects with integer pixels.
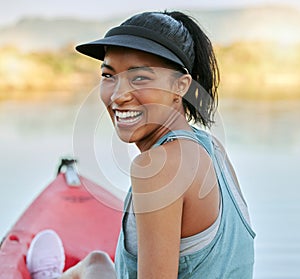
[{"x": 122, "y": 91}]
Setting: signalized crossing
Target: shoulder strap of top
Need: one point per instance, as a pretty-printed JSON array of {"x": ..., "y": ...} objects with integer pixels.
[{"x": 199, "y": 136}]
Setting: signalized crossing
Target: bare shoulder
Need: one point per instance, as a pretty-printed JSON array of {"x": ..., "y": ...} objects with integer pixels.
[
  {"x": 166, "y": 160},
  {"x": 182, "y": 173},
  {"x": 163, "y": 174}
]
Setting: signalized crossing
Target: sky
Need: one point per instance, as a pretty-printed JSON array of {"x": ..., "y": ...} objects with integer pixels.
[{"x": 12, "y": 10}]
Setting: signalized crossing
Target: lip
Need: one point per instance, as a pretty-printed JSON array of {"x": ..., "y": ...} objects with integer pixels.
[{"x": 128, "y": 117}]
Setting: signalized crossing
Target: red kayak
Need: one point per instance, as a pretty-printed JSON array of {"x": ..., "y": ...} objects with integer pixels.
[{"x": 84, "y": 222}]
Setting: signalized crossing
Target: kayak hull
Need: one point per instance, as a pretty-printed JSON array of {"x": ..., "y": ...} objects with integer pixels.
[{"x": 85, "y": 223}]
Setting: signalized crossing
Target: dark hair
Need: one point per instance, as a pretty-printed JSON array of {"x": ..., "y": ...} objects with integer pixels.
[{"x": 201, "y": 99}]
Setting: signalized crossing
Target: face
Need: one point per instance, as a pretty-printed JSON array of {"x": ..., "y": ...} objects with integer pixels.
[{"x": 141, "y": 95}]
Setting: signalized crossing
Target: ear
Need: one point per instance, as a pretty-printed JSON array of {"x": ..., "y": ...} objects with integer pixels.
[{"x": 183, "y": 84}]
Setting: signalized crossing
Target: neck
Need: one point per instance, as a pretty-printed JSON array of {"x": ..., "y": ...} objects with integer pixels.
[{"x": 177, "y": 124}]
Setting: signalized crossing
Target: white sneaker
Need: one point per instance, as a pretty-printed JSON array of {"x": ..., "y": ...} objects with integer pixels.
[{"x": 45, "y": 257}]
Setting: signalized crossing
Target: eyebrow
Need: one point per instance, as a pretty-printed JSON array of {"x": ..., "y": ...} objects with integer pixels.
[
  {"x": 104, "y": 65},
  {"x": 133, "y": 68}
]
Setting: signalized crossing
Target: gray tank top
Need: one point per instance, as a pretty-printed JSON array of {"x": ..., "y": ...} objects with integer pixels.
[
  {"x": 191, "y": 244},
  {"x": 230, "y": 254}
]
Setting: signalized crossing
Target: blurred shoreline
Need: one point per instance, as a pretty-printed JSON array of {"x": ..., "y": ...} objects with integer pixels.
[
  {"x": 249, "y": 70},
  {"x": 257, "y": 47}
]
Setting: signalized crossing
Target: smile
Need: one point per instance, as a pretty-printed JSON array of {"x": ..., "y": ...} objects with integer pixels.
[{"x": 128, "y": 116}]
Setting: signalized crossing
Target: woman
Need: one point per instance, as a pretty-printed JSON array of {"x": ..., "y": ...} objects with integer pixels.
[{"x": 184, "y": 216}]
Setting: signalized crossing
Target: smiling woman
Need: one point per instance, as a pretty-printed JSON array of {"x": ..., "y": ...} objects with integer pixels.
[
  {"x": 184, "y": 216},
  {"x": 140, "y": 98}
]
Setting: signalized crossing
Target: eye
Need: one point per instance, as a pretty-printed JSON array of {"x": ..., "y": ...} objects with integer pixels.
[
  {"x": 107, "y": 78},
  {"x": 106, "y": 75},
  {"x": 140, "y": 78}
]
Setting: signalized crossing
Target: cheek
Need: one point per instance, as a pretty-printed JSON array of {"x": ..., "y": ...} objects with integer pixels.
[
  {"x": 111, "y": 113},
  {"x": 157, "y": 99},
  {"x": 105, "y": 97}
]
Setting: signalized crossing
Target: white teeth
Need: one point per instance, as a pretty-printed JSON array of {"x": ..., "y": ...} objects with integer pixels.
[{"x": 127, "y": 114}]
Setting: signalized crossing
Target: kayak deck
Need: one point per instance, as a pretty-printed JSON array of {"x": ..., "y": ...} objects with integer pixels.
[{"x": 84, "y": 222}]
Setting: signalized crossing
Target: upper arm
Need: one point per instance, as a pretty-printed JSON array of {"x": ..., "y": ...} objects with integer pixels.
[
  {"x": 159, "y": 242},
  {"x": 158, "y": 182}
]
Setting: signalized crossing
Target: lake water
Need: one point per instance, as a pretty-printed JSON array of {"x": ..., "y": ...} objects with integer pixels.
[{"x": 262, "y": 138}]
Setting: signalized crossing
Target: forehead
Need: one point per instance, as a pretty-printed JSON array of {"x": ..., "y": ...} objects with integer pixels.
[{"x": 122, "y": 57}]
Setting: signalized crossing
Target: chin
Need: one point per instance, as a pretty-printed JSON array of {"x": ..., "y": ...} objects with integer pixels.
[{"x": 126, "y": 136}]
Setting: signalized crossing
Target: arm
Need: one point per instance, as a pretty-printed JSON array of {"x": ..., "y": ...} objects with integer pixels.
[
  {"x": 158, "y": 185},
  {"x": 158, "y": 242}
]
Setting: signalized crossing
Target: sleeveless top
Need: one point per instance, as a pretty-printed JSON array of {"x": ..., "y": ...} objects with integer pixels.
[
  {"x": 230, "y": 254},
  {"x": 188, "y": 245}
]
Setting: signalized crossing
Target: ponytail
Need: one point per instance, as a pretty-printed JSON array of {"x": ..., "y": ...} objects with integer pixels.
[{"x": 200, "y": 102}]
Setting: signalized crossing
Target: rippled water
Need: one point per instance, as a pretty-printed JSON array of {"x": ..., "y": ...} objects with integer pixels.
[{"x": 263, "y": 140}]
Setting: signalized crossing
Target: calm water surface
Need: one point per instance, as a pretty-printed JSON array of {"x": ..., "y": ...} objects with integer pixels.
[{"x": 262, "y": 138}]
